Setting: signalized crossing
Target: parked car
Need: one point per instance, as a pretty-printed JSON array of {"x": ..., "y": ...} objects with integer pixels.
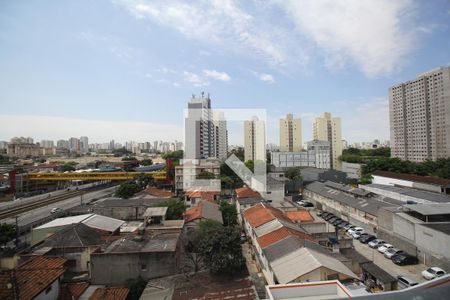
[
  {"x": 362, "y": 235},
  {"x": 332, "y": 219},
  {"x": 319, "y": 213},
  {"x": 342, "y": 224},
  {"x": 391, "y": 252},
  {"x": 56, "y": 210},
  {"x": 404, "y": 259},
  {"x": 384, "y": 248},
  {"x": 350, "y": 231},
  {"x": 338, "y": 221},
  {"x": 349, "y": 226},
  {"x": 433, "y": 272},
  {"x": 406, "y": 282},
  {"x": 366, "y": 239},
  {"x": 329, "y": 217},
  {"x": 307, "y": 204},
  {"x": 356, "y": 234},
  {"x": 376, "y": 243},
  {"x": 324, "y": 215}
]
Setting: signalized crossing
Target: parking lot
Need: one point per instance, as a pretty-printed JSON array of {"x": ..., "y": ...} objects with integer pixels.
[{"x": 412, "y": 271}]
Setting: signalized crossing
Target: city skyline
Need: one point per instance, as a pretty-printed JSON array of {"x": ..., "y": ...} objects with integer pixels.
[{"x": 242, "y": 55}]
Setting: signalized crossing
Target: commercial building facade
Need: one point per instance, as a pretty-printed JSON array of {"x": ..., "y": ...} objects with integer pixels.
[
  {"x": 419, "y": 112},
  {"x": 317, "y": 155}
]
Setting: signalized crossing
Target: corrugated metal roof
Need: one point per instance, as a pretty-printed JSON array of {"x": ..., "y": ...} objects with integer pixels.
[
  {"x": 429, "y": 196},
  {"x": 283, "y": 247},
  {"x": 267, "y": 227},
  {"x": 416, "y": 178},
  {"x": 103, "y": 223},
  {"x": 366, "y": 204},
  {"x": 303, "y": 261},
  {"x": 65, "y": 221},
  {"x": 430, "y": 209}
]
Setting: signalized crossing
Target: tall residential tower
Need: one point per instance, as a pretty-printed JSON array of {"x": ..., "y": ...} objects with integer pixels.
[
  {"x": 254, "y": 140},
  {"x": 326, "y": 128},
  {"x": 290, "y": 134},
  {"x": 419, "y": 113}
]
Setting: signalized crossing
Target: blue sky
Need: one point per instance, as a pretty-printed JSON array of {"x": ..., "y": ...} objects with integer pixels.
[{"x": 126, "y": 69}]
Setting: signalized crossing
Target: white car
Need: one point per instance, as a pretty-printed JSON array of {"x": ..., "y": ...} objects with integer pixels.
[
  {"x": 55, "y": 210},
  {"x": 376, "y": 243},
  {"x": 432, "y": 273},
  {"x": 357, "y": 233},
  {"x": 384, "y": 248},
  {"x": 391, "y": 252},
  {"x": 351, "y": 231}
]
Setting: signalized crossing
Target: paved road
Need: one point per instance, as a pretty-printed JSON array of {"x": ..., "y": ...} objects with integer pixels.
[
  {"x": 44, "y": 211},
  {"x": 412, "y": 271}
]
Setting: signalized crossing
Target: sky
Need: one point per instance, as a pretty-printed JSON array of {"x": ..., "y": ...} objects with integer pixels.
[{"x": 125, "y": 70}]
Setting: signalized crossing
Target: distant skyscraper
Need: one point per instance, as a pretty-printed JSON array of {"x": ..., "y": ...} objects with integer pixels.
[
  {"x": 84, "y": 144},
  {"x": 290, "y": 134},
  {"x": 254, "y": 140},
  {"x": 419, "y": 112},
  {"x": 47, "y": 144},
  {"x": 112, "y": 145},
  {"x": 220, "y": 136},
  {"x": 62, "y": 144},
  {"x": 74, "y": 144},
  {"x": 326, "y": 128}
]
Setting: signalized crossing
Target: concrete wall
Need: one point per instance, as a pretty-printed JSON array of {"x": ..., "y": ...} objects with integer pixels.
[
  {"x": 436, "y": 243},
  {"x": 315, "y": 227},
  {"x": 122, "y": 213},
  {"x": 115, "y": 269},
  {"x": 352, "y": 170}
]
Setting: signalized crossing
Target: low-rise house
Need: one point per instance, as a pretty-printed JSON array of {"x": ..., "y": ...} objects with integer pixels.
[
  {"x": 194, "y": 196},
  {"x": 72, "y": 290},
  {"x": 158, "y": 193},
  {"x": 37, "y": 278},
  {"x": 205, "y": 210},
  {"x": 104, "y": 225},
  {"x": 110, "y": 293},
  {"x": 246, "y": 192},
  {"x": 75, "y": 243},
  {"x": 149, "y": 256},
  {"x": 125, "y": 209}
]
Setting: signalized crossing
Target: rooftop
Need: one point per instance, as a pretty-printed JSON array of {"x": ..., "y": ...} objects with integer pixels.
[
  {"x": 204, "y": 210},
  {"x": 331, "y": 289},
  {"x": 262, "y": 213},
  {"x": 32, "y": 277},
  {"x": 442, "y": 227},
  {"x": 133, "y": 202},
  {"x": 367, "y": 204},
  {"x": 75, "y": 235},
  {"x": 91, "y": 220},
  {"x": 246, "y": 192},
  {"x": 411, "y": 177},
  {"x": 347, "y": 189},
  {"x": 430, "y": 209},
  {"x": 110, "y": 293},
  {"x": 429, "y": 196},
  {"x": 163, "y": 242},
  {"x": 247, "y": 201},
  {"x": 159, "y": 193},
  {"x": 72, "y": 290},
  {"x": 300, "y": 216},
  {"x": 155, "y": 211},
  {"x": 280, "y": 234}
]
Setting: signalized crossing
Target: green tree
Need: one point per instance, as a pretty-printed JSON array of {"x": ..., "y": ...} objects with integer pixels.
[
  {"x": 292, "y": 173},
  {"x": 220, "y": 249},
  {"x": 129, "y": 158},
  {"x": 206, "y": 175},
  {"x": 127, "y": 189},
  {"x": 175, "y": 208},
  {"x": 136, "y": 286},
  {"x": 7, "y": 233},
  {"x": 146, "y": 162},
  {"x": 175, "y": 155},
  {"x": 68, "y": 166},
  {"x": 143, "y": 180},
  {"x": 229, "y": 213},
  {"x": 239, "y": 152}
]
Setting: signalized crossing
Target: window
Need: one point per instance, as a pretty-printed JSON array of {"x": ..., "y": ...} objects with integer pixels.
[{"x": 143, "y": 267}]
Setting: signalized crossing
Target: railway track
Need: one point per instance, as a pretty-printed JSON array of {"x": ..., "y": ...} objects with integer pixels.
[{"x": 12, "y": 212}]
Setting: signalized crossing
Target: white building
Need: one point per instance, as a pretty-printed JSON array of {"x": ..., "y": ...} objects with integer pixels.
[
  {"x": 84, "y": 144},
  {"x": 188, "y": 170},
  {"x": 419, "y": 112},
  {"x": 254, "y": 140},
  {"x": 290, "y": 134},
  {"x": 47, "y": 144},
  {"x": 74, "y": 144},
  {"x": 317, "y": 155},
  {"x": 326, "y": 128}
]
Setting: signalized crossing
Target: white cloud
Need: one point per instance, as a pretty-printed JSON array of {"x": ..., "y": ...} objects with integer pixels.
[
  {"x": 217, "y": 75},
  {"x": 375, "y": 35},
  {"x": 43, "y": 127},
  {"x": 223, "y": 23},
  {"x": 267, "y": 78},
  {"x": 195, "y": 79}
]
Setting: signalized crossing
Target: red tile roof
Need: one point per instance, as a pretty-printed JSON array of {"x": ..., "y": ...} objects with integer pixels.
[
  {"x": 153, "y": 191},
  {"x": 73, "y": 290},
  {"x": 300, "y": 216},
  {"x": 280, "y": 234},
  {"x": 112, "y": 293},
  {"x": 203, "y": 195},
  {"x": 246, "y": 192},
  {"x": 262, "y": 213},
  {"x": 194, "y": 213},
  {"x": 37, "y": 274},
  {"x": 412, "y": 177}
]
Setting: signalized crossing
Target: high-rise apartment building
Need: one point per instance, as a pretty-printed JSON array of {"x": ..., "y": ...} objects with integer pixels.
[
  {"x": 419, "y": 113},
  {"x": 254, "y": 140},
  {"x": 62, "y": 144},
  {"x": 84, "y": 144},
  {"x": 220, "y": 135},
  {"x": 290, "y": 134},
  {"x": 74, "y": 144},
  {"x": 47, "y": 144},
  {"x": 327, "y": 128},
  {"x": 201, "y": 138}
]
